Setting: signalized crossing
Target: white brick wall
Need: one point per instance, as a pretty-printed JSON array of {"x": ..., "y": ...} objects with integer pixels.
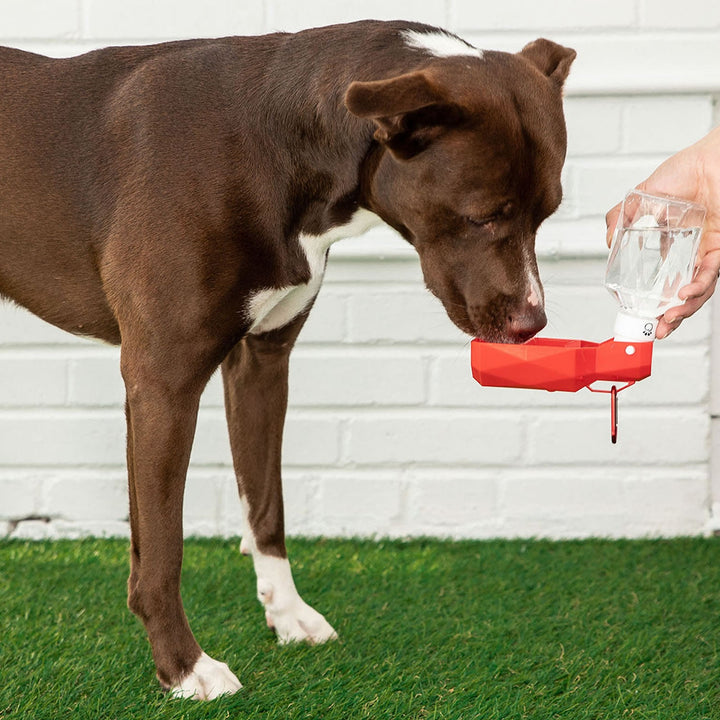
[{"x": 387, "y": 432}]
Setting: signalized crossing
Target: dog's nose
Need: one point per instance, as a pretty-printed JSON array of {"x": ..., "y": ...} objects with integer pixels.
[{"x": 522, "y": 326}]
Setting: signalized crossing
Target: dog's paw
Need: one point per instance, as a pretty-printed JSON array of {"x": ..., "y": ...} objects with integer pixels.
[
  {"x": 292, "y": 618},
  {"x": 207, "y": 680}
]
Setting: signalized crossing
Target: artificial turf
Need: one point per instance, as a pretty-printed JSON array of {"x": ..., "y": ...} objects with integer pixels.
[{"x": 429, "y": 629}]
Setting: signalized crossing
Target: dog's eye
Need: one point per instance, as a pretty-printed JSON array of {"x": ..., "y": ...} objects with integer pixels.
[
  {"x": 481, "y": 222},
  {"x": 502, "y": 212}
]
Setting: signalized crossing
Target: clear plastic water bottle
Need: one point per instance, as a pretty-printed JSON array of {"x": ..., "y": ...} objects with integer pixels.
[{"x": 652, "y": 256}]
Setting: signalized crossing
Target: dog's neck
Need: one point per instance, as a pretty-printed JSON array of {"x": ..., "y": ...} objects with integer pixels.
[{"x": 333, "y": 153}]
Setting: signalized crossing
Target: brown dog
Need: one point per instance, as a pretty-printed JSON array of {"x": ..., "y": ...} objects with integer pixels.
[{"x": 180, "y": 199}]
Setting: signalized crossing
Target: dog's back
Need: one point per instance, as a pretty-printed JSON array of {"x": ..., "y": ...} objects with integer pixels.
[{"x": 97, "y": 142}]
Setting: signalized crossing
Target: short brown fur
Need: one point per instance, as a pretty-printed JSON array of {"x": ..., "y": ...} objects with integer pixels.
[{"x": 147, "y": 192}]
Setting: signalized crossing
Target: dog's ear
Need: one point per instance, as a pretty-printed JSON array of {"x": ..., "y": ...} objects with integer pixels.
[
  {"x": 410, "y": 111},
  {"x": 550, "y": 58}
]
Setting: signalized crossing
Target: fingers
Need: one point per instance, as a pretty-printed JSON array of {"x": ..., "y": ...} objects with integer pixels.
[
  {"x": 671, "y": 320},
  {"x": 695, "y": 294},
  {"x": 702, "y": 285},
  {"x": 664, "y": 328},
  {"x": 705, "y": 278}
]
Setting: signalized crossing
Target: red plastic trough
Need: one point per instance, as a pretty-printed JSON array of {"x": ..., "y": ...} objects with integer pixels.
[{"x": 555, "y": 364}]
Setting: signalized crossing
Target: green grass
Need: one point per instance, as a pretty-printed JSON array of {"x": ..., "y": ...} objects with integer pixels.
[{"x": 491, "y": 630}]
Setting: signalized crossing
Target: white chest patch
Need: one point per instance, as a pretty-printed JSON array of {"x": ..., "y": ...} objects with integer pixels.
[
  {"x": 272, "y": 308},
  {"x": 440, "y": 44}
]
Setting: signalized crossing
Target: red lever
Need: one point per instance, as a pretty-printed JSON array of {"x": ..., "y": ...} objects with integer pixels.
[{"x": 613, "y": 391}]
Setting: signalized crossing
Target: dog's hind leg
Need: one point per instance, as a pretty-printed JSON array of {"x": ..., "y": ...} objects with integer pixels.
[
  {"x": 162, "y": 404},
  {"x": 255, "y": 376}
]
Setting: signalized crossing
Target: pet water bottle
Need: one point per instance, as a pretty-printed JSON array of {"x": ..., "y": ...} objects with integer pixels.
[{"x": 652, "y": 256}]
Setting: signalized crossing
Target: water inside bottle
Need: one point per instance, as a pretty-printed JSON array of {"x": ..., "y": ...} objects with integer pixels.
[{"x": 648, "y": 266}]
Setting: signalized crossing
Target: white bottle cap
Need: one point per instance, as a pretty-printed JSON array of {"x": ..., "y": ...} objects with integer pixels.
[{"x": 631, "y": 328}]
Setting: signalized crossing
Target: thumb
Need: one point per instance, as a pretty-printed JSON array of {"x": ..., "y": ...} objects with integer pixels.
[
  {"x": 611, "y": 219},
  {"x": 610, "y": 222}
]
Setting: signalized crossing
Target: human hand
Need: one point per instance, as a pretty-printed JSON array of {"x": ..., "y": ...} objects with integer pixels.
[{"x": 692, "y": 174}]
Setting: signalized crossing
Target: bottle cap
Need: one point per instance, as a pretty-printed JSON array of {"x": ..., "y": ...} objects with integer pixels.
[{"x": 631, "y": 328}]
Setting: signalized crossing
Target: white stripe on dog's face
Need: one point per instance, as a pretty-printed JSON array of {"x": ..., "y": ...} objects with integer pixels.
[
  {"x": 440, "y": 44},
  {"x": 535, "y": 296}
]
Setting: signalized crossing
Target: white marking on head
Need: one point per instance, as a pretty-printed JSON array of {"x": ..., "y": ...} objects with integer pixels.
[
  {"x": 533, "y": 297},
  {"x": 440, "y": 44},
  {"x": 535, "y": 293}
]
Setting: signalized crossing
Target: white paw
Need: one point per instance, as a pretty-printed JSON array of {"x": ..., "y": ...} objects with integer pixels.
[
  {"x": 292, "y": 618},
  {"x": 207, "y": 680}
]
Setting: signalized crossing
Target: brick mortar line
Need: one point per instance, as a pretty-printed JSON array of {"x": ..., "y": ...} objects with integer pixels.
[
  {"x": 410, "y": 473},
  {"x": 413, "y": 474},
  {"x": 350, "y": 411},
  {"x": 351, "y": 351}
]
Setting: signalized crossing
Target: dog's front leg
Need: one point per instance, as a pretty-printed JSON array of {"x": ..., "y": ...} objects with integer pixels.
[
  {"x": 255, "y": 376},
  {"x": 161, "y": 417}
]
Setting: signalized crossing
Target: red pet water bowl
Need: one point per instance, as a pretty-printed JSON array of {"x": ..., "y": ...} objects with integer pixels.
[{"x": 562, "y": 365}]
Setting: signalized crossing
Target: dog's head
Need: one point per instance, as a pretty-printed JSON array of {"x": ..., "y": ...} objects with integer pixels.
[{"x": 473, "y": 151}]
